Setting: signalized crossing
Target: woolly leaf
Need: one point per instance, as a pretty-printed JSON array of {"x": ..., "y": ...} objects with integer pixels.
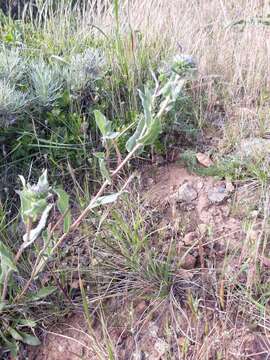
[
  {"x": 102, "y": 165},
  {"x": 43, "y": 293},
  {"x": 103, "y": 124},
  {"x": 63, "y": 206}
]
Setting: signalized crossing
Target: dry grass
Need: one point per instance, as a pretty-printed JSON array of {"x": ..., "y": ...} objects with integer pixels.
[
  {"x": 233, "y": 80},
  {"x": 238, "y": 55},
  {"x": 233, "y": 59}
]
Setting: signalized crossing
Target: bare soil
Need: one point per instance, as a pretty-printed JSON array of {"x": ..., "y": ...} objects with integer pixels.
[{"x": 206, "y": 216}]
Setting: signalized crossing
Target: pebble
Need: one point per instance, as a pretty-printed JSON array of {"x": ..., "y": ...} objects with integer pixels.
[
  {"x": 203, "y": 229},
  {"x": 141, "y": 307},
  {"x": 186, "y": 193},
  {"x": 189, "y": 262},
  {"x": 204, "y": 160},
  {"x": 190, "y": 238},
  {"x": 217, "y": 194},
  {"x": 229, "y": 186}
]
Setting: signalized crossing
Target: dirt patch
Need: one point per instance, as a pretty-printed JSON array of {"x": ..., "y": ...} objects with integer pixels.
[
  {"x": 69, "y": 341},
  {"x": 194, "y": 204},
  {"x": 204, "y": 314}
]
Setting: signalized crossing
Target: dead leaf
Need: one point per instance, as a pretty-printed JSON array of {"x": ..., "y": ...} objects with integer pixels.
[{"x": 204, "y": 160}]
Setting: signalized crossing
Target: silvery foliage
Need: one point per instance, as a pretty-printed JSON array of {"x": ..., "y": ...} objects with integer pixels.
[
  {"x": 84, "y": 69},
  {"x": 12, "y": 103},
  {"x": 12, "y": 65},
  {"x": 46, "y": 83},
  {"x": 181, "y": 64},
  {"x": 12, "y": 71}
]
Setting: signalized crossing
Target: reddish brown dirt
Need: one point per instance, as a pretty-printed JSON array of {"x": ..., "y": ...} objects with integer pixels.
[
  {"x": 66, "y": 341},
  {"x": 208, "y": 232}
]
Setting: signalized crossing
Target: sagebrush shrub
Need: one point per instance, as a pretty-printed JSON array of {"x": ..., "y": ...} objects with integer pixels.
[
  {"x": 46, "y": 83},
  {"x": 83, "y": 69},
  {"x": 12, "y": 65},
  {"x": 12, "y": 103}
]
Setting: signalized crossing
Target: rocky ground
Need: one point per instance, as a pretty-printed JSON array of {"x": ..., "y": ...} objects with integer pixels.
[{"x": 207, "y": 216}]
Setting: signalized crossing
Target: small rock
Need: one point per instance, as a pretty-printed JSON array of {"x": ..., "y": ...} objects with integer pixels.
[
  {"x": 186, "y": 193},
  {"x": 159, "y": 160},
  {"x": 161, "y": 347},
  {"x": 141, "y": 307},
  {"x": 203, "y": 229},
  {"x": 150, "y": 181},
  {"x": 229, "y": 186},
  {"x": 189, "y": 262},
  {"x": 75, "y": 284},
  {"x": 199, "y": 185},
  {"x": 189, "y": 238},
  {"x": 204, "y": 160},
  {"x": 153, "y": 329},
  {"x": 254, "y": 214},
  {"x": 217, "y": 194},
  {"x": 226, "y": 211}
]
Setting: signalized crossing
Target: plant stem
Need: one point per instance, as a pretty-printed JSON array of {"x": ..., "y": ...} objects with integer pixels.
[
  {"x": 17, "y": 257},
  {"x": 33, "y": 273},
  {"x": 78, "y": 221},
  {"x": 118, "y": 153}
]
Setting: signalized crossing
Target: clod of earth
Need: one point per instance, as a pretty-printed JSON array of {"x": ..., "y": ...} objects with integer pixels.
[{"x": 190, "y": 238}]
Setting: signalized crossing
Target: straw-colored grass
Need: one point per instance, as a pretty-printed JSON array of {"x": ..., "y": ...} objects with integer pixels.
[{"x": 230, "y": 40}]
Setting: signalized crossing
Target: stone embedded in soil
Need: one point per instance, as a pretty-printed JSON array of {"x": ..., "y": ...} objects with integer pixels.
[
  {"x": 186, "y": 193},
  {"x": 189, "y": 262},
  {"x": 199, "y": 185},
  {"x": 203, "y": 229},
  {"x": 161, "y": 347},
  {"x": 218, "y": 194},
  {"x": 190, "y": 238},
  {"x": 229, "y": 186},
  {"x": 204, "y": 160}
]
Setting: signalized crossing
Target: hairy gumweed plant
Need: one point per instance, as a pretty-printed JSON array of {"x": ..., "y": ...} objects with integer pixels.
[
  {"x": 108, "y": 138},
  {"x": 160, "y": 100},
  {"x": 37, "y": 202},
  {"x": 182, "y": 65},
  {"x": 35, "y": 206}
]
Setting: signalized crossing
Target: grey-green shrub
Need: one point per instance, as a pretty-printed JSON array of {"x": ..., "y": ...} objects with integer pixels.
[
  {"x": 83, "y": 69},
  {"x": 12, "y": 103},
  {"x": 12, "y": 65},
  {"x": 46, "y": 83}
]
